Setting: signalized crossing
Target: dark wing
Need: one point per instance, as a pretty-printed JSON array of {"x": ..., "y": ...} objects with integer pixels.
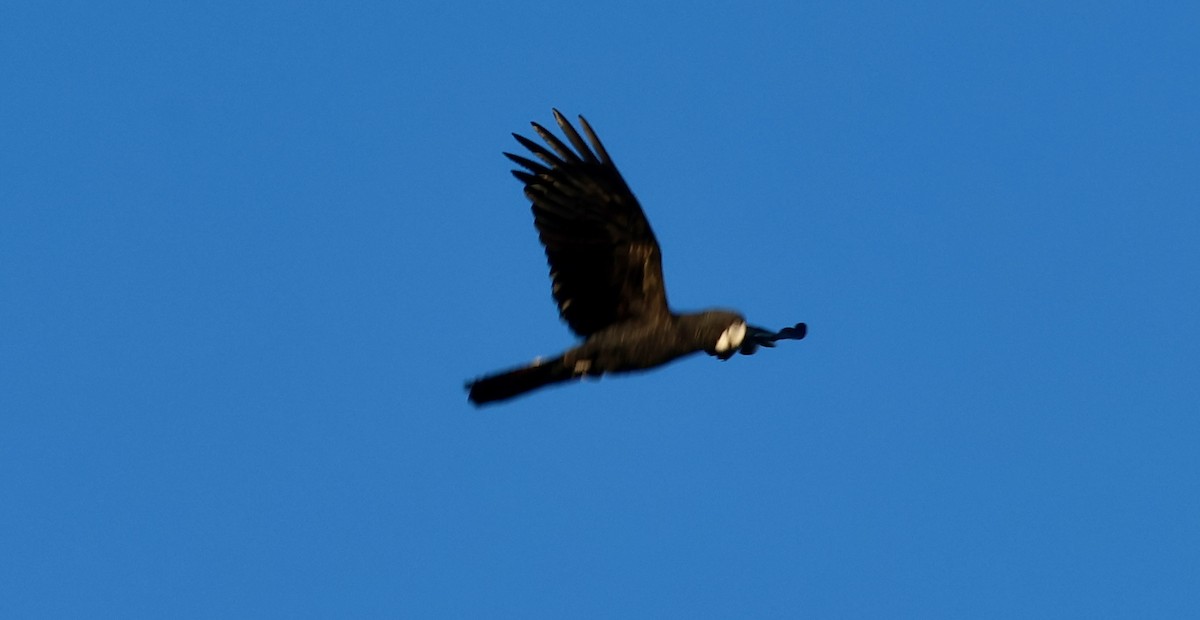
[{"x": 605, "y": 264}]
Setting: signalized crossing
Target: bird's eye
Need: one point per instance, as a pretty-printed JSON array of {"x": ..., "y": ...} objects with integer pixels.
[{"x": 732, "y": 337}]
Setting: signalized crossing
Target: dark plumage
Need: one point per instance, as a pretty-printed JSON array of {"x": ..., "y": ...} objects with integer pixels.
[{"x": 606, "y": 273}]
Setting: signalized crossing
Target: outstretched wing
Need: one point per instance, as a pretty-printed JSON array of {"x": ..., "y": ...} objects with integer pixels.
[{"x": 605, "y": 264}]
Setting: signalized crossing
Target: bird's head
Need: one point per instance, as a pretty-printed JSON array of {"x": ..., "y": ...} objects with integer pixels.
[
  {"x": 726, "y": 334},
  {"x": 721, "y": 332}
]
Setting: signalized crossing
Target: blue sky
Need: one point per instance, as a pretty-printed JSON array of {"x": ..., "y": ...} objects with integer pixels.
[{"x": 250, "y": 251}]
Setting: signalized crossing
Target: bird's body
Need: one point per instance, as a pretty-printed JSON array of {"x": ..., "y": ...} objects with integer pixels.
[{"x": 606, "y": 273}]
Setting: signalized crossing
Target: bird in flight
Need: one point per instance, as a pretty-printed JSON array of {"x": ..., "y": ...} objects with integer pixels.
[{"x": 606, "y": 275}]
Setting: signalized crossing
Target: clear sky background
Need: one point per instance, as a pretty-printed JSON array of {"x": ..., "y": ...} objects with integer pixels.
[{"x": 249, "y": 252}]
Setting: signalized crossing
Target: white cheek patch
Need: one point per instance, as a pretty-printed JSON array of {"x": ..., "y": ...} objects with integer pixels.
[{"x": 732, "y": 337}]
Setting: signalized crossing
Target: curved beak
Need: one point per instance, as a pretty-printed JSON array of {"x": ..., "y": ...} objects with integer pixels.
[{"x": 760, "y": 337}]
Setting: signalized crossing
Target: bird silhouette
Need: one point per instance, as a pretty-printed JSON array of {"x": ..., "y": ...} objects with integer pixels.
[{"x": 606, "y": 274}]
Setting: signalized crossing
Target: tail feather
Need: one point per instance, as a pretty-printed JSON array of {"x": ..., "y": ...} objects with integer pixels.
[{"x": 505, "y": 385}]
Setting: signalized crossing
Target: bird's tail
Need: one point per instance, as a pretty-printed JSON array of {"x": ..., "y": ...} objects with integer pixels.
[{"x": 505, "y": 385}]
